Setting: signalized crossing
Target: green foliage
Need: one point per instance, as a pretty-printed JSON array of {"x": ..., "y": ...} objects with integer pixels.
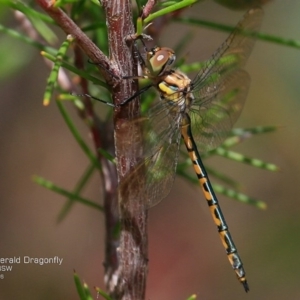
[
  {"x": 72, "y": 196},
  {"x": 169, "y": 7}
]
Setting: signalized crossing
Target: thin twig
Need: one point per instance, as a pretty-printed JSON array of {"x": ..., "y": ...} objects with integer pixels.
[
  {"x": 102, "y": 134},
  {"x": 91, "y": 50},
  {"x": 148, "y": 8}
]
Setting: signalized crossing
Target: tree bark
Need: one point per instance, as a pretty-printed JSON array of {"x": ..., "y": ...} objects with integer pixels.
[{"x": 129, "y": 281}]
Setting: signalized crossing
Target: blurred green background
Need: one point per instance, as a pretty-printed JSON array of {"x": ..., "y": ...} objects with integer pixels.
[{"x": 185, "y": 253}]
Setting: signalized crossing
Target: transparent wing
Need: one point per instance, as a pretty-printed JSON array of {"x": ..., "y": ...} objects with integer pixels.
[
  {"x": 233, "y": 53},
  {"x": 213, "y": 115},
  {"x": 220, "y": 88},
  {"x": 156, "y": 170}
]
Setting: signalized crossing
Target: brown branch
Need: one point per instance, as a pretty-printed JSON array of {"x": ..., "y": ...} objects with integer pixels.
[
  {"x": 91, "y": 50},
  {"x": 130, "y": 278}
]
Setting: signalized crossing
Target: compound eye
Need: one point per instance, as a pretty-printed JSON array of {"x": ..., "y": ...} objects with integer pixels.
[{"x": 161, "y": 59}]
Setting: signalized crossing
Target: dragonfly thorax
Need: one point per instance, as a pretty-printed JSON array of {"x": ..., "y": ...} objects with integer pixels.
[{"x": 175, "y": 87}]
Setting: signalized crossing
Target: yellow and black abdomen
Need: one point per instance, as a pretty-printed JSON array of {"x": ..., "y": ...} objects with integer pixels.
[{"x": 212, "y": 201}]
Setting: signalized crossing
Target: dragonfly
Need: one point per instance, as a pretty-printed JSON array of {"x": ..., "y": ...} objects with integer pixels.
[{"x": 201, "y": 112}]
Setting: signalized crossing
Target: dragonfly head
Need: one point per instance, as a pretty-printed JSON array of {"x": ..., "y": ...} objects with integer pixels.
[{"x": 160, "y": 60}]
